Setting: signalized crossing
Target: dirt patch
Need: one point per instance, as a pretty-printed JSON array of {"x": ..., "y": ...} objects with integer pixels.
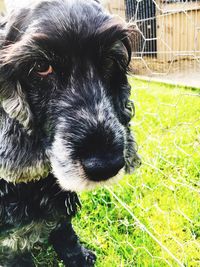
[{"x": 184, "y": 71}]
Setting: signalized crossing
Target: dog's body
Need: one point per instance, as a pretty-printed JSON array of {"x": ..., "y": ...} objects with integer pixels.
[
  {"x": 65, "y": 115},
  {"x": 32, "y": 212}
]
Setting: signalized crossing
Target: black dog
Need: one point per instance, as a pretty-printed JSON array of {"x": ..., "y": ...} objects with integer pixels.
[{"x": 64, "y": 114}]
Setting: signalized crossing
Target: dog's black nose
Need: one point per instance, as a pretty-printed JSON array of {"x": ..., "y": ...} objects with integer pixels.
[{"x": 102, "y": 168}]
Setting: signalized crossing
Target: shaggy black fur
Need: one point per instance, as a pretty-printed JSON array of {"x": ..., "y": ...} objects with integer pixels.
[
  {"x": 64, "y": 114},
  {"x": 22, "y": 204}
]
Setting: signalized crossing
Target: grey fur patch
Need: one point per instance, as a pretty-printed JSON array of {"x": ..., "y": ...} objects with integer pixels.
[
  {"x": 21, "y": 159},
  {"x": 17, "y": 108},
  {"x": 24, "y": 238},
  {"x": 26, "y": 174}
]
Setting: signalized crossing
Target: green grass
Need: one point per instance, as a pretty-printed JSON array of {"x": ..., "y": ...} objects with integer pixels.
[{"x": 160, "y": 202}]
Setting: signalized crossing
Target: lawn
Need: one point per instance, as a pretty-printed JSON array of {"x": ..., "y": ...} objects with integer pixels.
[{"x": 152, "y": 217}]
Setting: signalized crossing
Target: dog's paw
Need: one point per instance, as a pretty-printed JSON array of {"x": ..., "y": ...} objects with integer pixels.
[
  {"x": 85, "y": 259},
  {"x": 89, "y": 256},
  {"x": 72, "y": 204}
]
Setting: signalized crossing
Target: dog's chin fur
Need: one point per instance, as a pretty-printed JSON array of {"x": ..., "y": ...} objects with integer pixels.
[{"x": 77, "y": 180}]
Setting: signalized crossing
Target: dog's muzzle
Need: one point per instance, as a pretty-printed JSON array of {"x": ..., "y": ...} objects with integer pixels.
[{"x": 89, "y": 142}]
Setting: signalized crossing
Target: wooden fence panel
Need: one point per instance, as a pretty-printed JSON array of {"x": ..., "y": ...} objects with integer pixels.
[
  {"x": 2, "y": 7},
  {"x": 178, "y": 32},
  {"x": 115, "y": 7}
]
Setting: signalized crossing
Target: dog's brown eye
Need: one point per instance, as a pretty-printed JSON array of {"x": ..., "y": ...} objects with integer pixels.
[{"x": 43, "y": 68}]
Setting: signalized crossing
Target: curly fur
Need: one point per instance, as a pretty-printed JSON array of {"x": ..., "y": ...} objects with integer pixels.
[{"x": 52, "y": 125}]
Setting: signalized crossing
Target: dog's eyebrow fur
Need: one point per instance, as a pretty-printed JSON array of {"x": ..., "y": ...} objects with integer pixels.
[
  {"x": 24, "y": 50},
  {"x": 115, "y": 30},
  {"x": 38, "y": 45}
]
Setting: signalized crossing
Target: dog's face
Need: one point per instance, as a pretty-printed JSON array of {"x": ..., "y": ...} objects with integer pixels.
[{"x": 70, "y": 59}]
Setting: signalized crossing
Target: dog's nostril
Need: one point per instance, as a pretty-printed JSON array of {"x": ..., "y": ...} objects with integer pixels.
[{"x": 99, "y": 169}]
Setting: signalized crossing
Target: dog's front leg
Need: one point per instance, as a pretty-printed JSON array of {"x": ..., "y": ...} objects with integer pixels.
[{"x": 68, "y": 248}]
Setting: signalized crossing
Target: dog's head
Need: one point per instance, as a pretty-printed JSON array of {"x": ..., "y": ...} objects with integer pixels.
[{"x": 63, "y": 79}]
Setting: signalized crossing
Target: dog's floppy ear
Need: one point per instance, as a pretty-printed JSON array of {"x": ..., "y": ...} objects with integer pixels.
[
  {"x": 126, "y": 108},
  {"x": 12, "y": 98},
  {"x": 15, "y": 24},
  {"x": 14, "y": 103},
  {"x": 21, "y": 156}
]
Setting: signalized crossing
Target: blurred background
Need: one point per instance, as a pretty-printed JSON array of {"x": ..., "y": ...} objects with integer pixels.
[
  {"x": 152, "y": 218},
  {"x": 168, "y": 42}
]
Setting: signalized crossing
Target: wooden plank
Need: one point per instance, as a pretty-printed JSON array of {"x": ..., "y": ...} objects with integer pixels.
[
  {"x": 179, "y": 31},
  {"x": 115, "y": 7},
  {"x": 2, "y": 6},
  {"x": 178, "y": 7},
  {"x": 117, "y": 4}
]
